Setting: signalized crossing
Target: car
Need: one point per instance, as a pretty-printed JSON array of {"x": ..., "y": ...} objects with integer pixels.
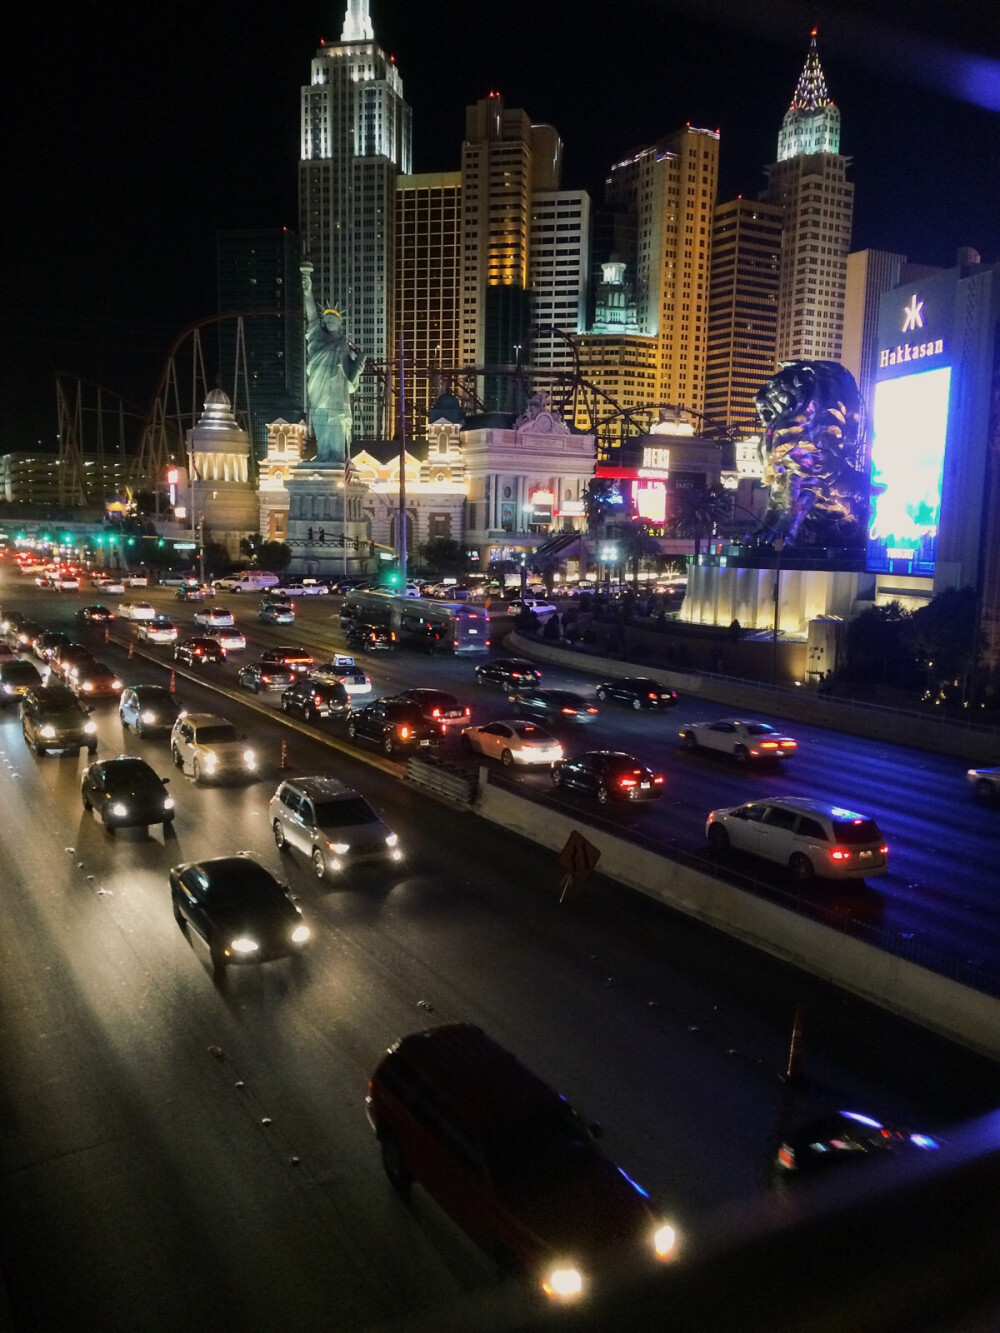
[
  {"x": 841, "y": 1137},
  {"x": 7, "y": 653},
  {"x": 232, "y": 639},
  {"x": 343, "y": 668},
  {"x": 52, "y": 718},
  {"x": 178, "y": 578},
  {"x": 514, "y": 742},
  {"x": 23, "y": 637},
  {"x": 370, "y": 638},
  {"x": 314, "y": 588},
  {"x": 436, "y": 706},
  {"x": 247, "y": 580},
  {"x": 638, "y": 692},
  {"x": 510, "y": 673},
  {"x": 259, "y": 676},
  {"x": 394, "y": 726},
  {"x": 161, "y": 629},
  {"x": 136, "y": 580},
  {"x": 238, "y": 908},
  {"x": 541, "y": 608},
  {"x": 814, "y": 839},
  {"x": 191, "y": 592},
  {"x": 66, "y": 583},
  {"x": 136, "y": 610},
  {"x": 276, "y": 613},
  {"x": 126, "y": 793},
  {"x": 214, "y": 617},
  {"x": 46, "y": 644},
  {"x": 291, "y": 590},
  {"x": 197, "y": 650},
  {"x": 15, "y": 678},
  {"x": 746, "y": 740},
  {"x": 554, "y": 705},
  {"x": 299, "y": 660},
  {"x": 316, "y": 698},
  {"x": 94, "y": 680},
  {"x": 985, "y": 781},
  {"x": 149, "y": 710},
  {"x": 108, "y": 585},
  {"x": 608, "y": 775},
  {"x": 512, "y": 1162},
  {"x": 211, "y": 747},
  {"x": 66, "y": 657},
  {"x": 331, "y": 824},
  {"x": 95, "y": 614},
  {"x": 10, "y": 624}
]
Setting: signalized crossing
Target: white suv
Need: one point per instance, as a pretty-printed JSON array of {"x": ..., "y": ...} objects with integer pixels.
[
  {"x": 211, "y": 747},
  {"x": 814, "y": 839},
  {"x": 333, "y": 825}
]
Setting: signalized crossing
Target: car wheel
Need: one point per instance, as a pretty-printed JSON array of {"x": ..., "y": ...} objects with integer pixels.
[
  {"x": 256, "y": 687},
  {"x": 285, "y": 706},
  {"x": 124, "y": 722},
  {"x": 280, "y": 841},
  {"x": 175, "y": 754},
  {"x": 178, "y": 915},
  {"x": 718, "y": 838},
  {"x": 602, "y": 795},
  {"x": 741, "y": 755},
  {"x": 86, "y": 803},
  {"x": 388, "y": 744},
  {"x": 92, "y": 748},
  {"x": 307, "y": 713},
  {"x": 557, "y": 777},
  {"x": 466, "y": 744},
  {"x": 39, "y": 749},
  {"x": 506, "y": 758},
  {"x": 801, "y": 869},
  {"x": 637, "y": 704},
  {"x": 602, "y": 695},
  {"x": 690, "y": 740},
  {"x": 392, "y": 1162},
  {"x": 196, "y": 771},
  {"x": 319, "y": 863},
  {"x": 984, "y": 788},
  {"x": 352, "y": 730}
]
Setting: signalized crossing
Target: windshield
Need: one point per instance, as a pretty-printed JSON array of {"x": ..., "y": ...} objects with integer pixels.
[
  {"x": 344, "y": 814},
  {"x": 130, "y": 772},
  {"x": 216, "y": 734},
  {"x": 758, "y": 729},
  {"x": 536, "y": 1150},
  {"x": 862, "y": 830}
]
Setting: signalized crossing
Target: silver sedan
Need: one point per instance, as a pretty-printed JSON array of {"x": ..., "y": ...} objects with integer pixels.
[{"x": 513, "y": 741}]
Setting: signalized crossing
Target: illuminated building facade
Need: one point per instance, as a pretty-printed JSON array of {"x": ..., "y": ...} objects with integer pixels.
[
  {"x": 808, "y": 182},
  {"x": 355, "y": 140},
  {"x": 285, "y": 444},
  {"x": 221, "y": 493},
  {"x": 558, "y": 272}
]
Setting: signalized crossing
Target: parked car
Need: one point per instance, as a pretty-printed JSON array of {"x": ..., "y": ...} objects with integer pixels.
[
  {"x": 198, "y": 650},
  {"x": 331, "y": 824},
  {"x": 150, "y": 710},
  {"x": 608, "y": 775},
  {"x": 394, "y": 726},
  {"x": 214, "y": 617},
  {"x": 238, "y": 908},
  {"x": 747, "y": 741},
  {"x": 513, "y": 742},
  {"x": 161, "y": 629},
  {"x": 985, "y": 781},
  {"x": 510, "y": 673},
  {"x": 259, "y": 676},
  {"x": 553, "y": 705},
  {"x": 638, "y": 692},
  {"x": 52, "y": 718},
  {"x": 814, "y": 839},
  {"x": 211, "y": 747},
  {"x": 512, "y": 1162},
  {"x": 436, "y": 706},
  {"x": 126, "y": 793},
  {"x": 313, "y": 698}
]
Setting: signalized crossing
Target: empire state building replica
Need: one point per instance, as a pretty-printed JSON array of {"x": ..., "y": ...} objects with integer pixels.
[{"x": 356, "y": 133}]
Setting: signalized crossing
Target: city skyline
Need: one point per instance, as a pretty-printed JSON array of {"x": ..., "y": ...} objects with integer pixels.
[{"x": 113, "y": 244}]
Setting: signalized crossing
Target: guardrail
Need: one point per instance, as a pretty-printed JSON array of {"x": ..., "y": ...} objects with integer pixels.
[{"x": 450, "y": 781}]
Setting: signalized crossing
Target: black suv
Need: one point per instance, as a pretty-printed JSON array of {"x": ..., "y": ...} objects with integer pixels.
[
  {"x": 370, "y": 638},
  {"x": 394, "y": 726},
  {"x": 52, "y": 718},
  {"x": 316, "y": 698}
]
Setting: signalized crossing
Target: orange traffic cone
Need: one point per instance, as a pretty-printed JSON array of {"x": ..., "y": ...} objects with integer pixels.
[
  {"x": 173, "y": 681},
  {"x": 793, "y": 1072},
  {"x": 284, "y": 755}
]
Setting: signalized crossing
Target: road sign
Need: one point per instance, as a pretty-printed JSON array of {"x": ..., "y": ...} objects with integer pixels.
[{"x": 579, "y": 856}]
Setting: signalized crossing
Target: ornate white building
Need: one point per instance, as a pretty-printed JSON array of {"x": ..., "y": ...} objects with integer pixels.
[
  {"x": 285, "y": 443},
  {"x": 221, "y": 493}
]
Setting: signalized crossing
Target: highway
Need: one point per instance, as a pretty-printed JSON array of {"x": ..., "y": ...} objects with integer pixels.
[{"x": 180, "y": 1153}]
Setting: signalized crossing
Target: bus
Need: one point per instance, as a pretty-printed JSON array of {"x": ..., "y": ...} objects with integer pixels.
[{"x": 421, "y": 622}]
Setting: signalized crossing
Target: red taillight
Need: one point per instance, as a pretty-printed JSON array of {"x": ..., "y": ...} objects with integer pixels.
[
  {"x": 404, "y": 733},
  {"x": 658, "y": 780},
  {"x": 591, "y": 710},
  {"x": 468, "y": 712},
  {"x": 392, "y": 637},
  {"x": 769, "y": 745},
  {"x": 884, "y": 849},
  {"x": 317, "y": 699},
  {"x": 627, "y": 782},
  {"x": 839, "y": 854},
  {"x": 652, "y": 696},
  {"x": 198, "y": 652},
  {"x": 570, "y": 712},
  {"x": 786, "y": 1157}
]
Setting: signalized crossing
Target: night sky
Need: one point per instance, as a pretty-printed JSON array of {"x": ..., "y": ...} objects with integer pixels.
[{"x": 136, "y": 132}]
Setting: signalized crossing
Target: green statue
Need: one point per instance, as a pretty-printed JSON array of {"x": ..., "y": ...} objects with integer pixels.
[{"x": 333, "y": 371}]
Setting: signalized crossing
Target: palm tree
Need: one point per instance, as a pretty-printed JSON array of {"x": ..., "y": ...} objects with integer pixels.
[
  {"x": 639, "y": 544},
  {"x": 700, "y": 511}
]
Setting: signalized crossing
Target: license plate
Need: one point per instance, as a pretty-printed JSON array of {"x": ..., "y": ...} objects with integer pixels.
[
  {"x": 473, "y": 631},
  {"x": 867, "y": 856},
  {"x": 423, "y": 742},
  {"x": 644, "y": 786}
]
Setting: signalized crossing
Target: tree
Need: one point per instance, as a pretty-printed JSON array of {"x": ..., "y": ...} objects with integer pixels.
[
  {"x": 639, "y": 545},
  {"x": 443, "y": 555},
  {"x": 876, "y": 646},
  {"x": 943, "y": 636},
  {"x": 700, "y": 511},
  {"x": 547, "y": 566}
]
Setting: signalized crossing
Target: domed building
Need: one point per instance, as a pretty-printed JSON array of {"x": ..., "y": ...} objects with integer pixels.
[{"x": 222, "y": 494}]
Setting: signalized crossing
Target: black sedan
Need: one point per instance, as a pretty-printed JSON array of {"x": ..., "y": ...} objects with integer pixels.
[
  {"x": 265, "y": 675},
  {"x": 608, "y": 775},
  {"x": 840, "y": 1137},
  {"x": 238, "y": 908},
  {"x": 394, "y": 725},
  {"x": 151, "y": 710},
  {"x": 94, "y": 615},
  {"x": 370, "y": 638},
  {"x": 553, "y": 705},
  {"x": 316, "y": 698},
  {"x": 510, "y": 673},
  {"x": 638, "y": 692},
  {"x": 126, "y": 793},
  {"x": 437, "y": 706},
  {"x": 198, "y": 650}
]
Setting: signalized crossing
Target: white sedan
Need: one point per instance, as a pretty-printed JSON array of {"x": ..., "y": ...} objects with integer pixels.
[
  {"x": 134, "y": 610},
  {"x": 232, "y": 639},
  {"x": 160, "y": 629},
  {"x": 513, "y": 742},
  {"x": 344, "y": 669},
  {"x": 744, "y": 739},
  {"x": 985, "y": 781},
  {"x": 214, "y": 617}
]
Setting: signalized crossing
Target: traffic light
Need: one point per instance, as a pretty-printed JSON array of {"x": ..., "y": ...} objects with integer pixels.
[{"x": 391, "y": 576}]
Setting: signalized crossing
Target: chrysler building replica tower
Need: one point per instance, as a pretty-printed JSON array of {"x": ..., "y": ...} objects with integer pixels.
[
  {"x": 355, "y": 140},
  {"x": 809, "y": 183}
]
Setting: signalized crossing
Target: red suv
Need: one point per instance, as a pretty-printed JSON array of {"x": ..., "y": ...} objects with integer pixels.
[{"x": 511, "y": 1161}]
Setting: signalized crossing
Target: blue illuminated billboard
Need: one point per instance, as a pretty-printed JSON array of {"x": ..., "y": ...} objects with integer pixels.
[{"x": 909, "y": 430}]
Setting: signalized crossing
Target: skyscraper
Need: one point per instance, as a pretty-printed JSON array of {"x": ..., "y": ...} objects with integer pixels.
[
  {"x": 355, "y": 139},
  {"x": 809, "y": 183},
  {"x": 558, "y": 266},
  {"x": 742, "y": 310}
]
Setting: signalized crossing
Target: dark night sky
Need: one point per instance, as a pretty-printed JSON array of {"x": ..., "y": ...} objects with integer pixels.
[{"x": 138, "y": 132}]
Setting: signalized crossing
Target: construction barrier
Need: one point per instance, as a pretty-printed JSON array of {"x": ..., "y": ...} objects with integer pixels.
[{"x": 449, "y": 781}]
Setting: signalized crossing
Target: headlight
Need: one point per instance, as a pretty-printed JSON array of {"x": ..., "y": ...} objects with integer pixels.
[
  {"x": 148, "y": 717},
  {"x": 300, "y": 934},
  {"x": 120, "y": 809},
  {"x": 564, "y": 1283},
  {"x": 211, "y": 762},
  {"x": 8, "y": 689},
  {"x": 116, "y": 684},
  {"x": 168, "y": 803},
  {"x": 249, "y": 758},
  {"x": 90, "y": 728},
  {"x": 397, "y": 854},
  {"x": 665, "y": 1241},
  {"x": 87, "y": 685},
  {"x": 244, "y": 945},
  {"x": 48, "y": 732},
  {"x": 392, "y": 839},
  {"x": 341, "y": 848}
]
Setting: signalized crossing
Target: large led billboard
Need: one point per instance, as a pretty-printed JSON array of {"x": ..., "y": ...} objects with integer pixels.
[{"x": 909, "y": 429}]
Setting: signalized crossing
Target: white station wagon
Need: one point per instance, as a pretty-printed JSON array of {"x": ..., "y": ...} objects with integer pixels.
[{"x": 813, "y": 839}]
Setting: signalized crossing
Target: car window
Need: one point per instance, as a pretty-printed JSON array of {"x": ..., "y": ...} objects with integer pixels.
[
  {"x": 344, "y": 813},
  {"x": 856, "y": 831},
  {"x": 291, "y": 800},
  {"x": 778, "y": 817},
  {"x": 754, "y": 813},
  {"x": 541, "y": 1148},
  {"x": 758, "y": 729},
  {"x": 216, "y": 733},
  {"x": 726, "y": 728},
  {"x": 811, "y": 828}
]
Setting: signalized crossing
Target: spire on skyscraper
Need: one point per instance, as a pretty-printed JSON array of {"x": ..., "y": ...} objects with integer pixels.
[
  {"x": 357, "y": 22},
  {"x": 810, "y": 91}
]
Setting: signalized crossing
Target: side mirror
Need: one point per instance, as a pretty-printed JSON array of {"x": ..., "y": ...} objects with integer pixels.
[{"x": 165, "y": 781}]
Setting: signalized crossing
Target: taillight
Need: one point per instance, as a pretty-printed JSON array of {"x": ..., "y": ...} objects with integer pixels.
[
  {"x": 884, "y": 849},
  {"x": 591, "y": 710},
  {"x": 404, "y": 733},
  {"x": 626, "y": 782},
  {"x": 652, "y": 696},
  {"x": 435, "y": 712},
  {"x": 317, "y": 699},
  {"x": 769, "y": 745},
  {"x": 839, "y": 854},
  {"x": 468, "y": 712},
  {"x": 658, "y": 780},
  {"x": 786, "y": 1157},
  {"x": 392, "y": 637},
  {"x": 570, "y": 712}
]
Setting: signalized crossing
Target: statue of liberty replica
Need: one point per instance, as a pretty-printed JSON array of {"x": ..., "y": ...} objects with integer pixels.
[{"x": 333, "y": 371}]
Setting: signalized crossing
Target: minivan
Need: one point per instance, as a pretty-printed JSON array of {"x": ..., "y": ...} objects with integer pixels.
[{"x": 814, "y": 839}]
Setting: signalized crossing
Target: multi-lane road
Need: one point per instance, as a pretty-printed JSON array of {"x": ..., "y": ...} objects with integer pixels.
[{"x": 180, "y": 1153}]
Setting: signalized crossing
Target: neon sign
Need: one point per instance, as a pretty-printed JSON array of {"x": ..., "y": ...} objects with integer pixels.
[{"x": 913, "y": 319}]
